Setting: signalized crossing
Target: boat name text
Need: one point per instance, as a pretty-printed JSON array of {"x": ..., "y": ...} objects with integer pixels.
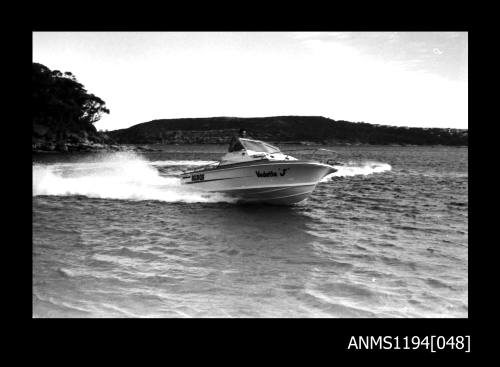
[{"x": 282, "y": 172}]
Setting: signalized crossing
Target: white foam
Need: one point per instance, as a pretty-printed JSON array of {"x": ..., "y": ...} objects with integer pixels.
[
  {"x": 358, "y": 168},
  {"x": 116, "y": 176}
]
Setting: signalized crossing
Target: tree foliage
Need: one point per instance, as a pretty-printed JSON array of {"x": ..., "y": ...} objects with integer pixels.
[{"x": 61, "y": 103}]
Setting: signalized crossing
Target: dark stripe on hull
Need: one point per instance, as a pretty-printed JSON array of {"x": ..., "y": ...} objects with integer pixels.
[
  {"x": 252, "y": 164},
  {"x": 213, "y": 179}
]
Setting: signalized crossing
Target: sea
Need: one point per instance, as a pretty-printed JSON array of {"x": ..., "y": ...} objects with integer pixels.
[{"x": 117, "y": 235}]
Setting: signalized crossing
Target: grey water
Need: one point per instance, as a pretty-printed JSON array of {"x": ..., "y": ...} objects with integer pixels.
[{"x": 116, "y": 235}]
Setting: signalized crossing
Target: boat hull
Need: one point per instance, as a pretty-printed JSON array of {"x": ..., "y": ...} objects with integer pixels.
[{"x": 273, "y": 182}]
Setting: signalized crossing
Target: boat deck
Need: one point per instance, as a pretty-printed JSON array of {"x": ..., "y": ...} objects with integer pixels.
[{"x": 246, "y": 163}]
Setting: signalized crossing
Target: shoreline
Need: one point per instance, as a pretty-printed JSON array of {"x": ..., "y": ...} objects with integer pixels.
[
  {"x": 97, "y": 148},
  {"x": 140, "y": 148}
]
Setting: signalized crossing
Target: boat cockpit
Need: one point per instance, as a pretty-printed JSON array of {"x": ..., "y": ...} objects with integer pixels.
[{"x": 249, "y": 150}]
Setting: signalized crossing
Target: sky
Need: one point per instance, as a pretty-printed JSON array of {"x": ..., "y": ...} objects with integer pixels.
[{"x": 417, "y": 79}]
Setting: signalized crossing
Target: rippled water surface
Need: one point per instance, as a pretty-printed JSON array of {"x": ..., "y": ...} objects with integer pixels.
[{"x": 116, "y": 235}]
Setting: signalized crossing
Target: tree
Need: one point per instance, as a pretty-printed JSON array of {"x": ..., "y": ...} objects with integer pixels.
[{"x": 62, "y": 103}]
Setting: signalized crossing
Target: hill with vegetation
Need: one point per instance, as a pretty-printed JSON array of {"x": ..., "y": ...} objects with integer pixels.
[
  {"x": 284, "y": 129},
  {"x": 64, "y": 113}
]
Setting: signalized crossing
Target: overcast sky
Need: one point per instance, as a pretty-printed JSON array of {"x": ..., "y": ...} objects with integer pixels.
[{"x": 392, "y": 78}]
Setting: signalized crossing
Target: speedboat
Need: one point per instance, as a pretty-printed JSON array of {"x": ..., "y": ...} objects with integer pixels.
[{"x": 259, "y": 172}]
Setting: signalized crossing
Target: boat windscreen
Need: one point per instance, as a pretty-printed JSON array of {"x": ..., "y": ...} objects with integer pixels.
[{"x": 259, "y": 146}]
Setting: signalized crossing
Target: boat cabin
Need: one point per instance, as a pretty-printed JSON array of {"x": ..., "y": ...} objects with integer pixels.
[{"x": 250, "y": 150}]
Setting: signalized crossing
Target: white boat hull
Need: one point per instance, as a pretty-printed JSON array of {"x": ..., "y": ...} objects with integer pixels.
[{"x": 274, "y": 182}]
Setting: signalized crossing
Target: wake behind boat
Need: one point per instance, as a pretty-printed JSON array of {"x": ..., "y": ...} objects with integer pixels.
[{"x": 259, "y": 172}]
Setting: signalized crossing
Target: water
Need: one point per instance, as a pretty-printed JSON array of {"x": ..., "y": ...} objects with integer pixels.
[{"x": 116, "y": 235}]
